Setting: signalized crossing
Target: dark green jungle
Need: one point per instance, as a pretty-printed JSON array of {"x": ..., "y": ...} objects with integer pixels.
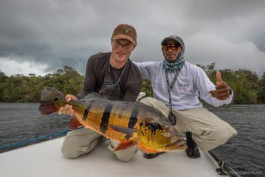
[{"x": 248, "y": 87}]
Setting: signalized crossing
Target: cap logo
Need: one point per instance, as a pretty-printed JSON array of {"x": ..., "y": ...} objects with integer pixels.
[{"x": 126, "y": 30}]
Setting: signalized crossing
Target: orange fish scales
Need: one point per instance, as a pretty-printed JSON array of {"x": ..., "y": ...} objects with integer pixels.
[
  {"x": 121, "y": 117},
  {"x": 95, "y": 114}
]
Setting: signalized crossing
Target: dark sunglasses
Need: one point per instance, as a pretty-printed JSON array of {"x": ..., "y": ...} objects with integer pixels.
[{"x": 166, "y": 47}]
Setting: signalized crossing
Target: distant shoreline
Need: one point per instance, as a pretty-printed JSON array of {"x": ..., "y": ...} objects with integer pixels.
[{"x": 248, "y": 88}]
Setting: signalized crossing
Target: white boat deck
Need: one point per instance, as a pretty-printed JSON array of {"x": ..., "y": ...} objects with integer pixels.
[{"x": 45, "y": 160}]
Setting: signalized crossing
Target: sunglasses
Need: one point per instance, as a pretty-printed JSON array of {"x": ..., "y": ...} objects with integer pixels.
[
  {"x": 173, "y": 47},
  {"x": 123, "y": 43}
]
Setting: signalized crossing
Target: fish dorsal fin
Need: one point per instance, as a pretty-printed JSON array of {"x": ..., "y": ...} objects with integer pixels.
[{"x": 93, "y": 95}]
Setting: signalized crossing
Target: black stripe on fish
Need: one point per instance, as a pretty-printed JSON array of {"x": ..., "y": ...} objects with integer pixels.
[
  {"x": 132, "y": 121},
  {"x": 105, "y": 118},
  {"x": 87, "y": 110}
]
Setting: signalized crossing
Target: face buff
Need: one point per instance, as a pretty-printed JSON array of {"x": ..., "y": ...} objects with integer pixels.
[{"x": 174, "y": 66}]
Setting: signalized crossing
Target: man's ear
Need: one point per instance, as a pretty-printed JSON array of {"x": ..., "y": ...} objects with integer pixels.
[{"x": 133, "y": 47}]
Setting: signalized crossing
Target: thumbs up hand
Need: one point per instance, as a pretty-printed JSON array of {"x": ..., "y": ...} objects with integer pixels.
[
  {"x": 222, "y": 89},
  {"x": 218, "y": 78}
]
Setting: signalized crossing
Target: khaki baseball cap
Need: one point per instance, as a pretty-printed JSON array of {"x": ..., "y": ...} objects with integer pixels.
[{"x": 125, "y": 31}]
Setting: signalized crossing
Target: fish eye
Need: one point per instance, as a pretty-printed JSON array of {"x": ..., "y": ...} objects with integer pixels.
[{"x": 56, "y": 99}]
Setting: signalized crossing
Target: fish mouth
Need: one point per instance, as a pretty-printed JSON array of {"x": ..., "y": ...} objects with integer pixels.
[
  {"x": 47, "y": 107},
  {"x": 51, "y": 100}
]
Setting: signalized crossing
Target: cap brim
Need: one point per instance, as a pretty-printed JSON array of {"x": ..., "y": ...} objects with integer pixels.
[
  {"x": 169, "y": 39},
  {"x": 122, "y": 36}
]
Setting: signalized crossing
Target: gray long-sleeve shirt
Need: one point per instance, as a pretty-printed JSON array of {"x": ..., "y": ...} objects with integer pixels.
[{"x": 97, "y": 73}]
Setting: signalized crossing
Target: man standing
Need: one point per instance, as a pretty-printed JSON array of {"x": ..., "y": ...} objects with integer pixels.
[
  {"x": 114, "y": 76},
  {"x": 177, "y": 86}
]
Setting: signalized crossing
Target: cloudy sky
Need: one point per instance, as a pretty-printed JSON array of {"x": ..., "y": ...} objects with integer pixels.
[{"x": 40, "y": 37}]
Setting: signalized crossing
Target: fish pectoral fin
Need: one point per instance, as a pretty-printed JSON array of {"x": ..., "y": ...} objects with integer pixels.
[
  {"x": 121, "y": 129},
  {"x": 124, "y": 145}
]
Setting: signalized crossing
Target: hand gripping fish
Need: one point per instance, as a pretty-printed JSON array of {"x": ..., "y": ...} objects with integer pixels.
[{"x": 130, "y": 123}]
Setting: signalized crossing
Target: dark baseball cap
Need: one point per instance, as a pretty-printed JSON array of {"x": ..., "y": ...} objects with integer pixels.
[{"x": 173, "y": 38}]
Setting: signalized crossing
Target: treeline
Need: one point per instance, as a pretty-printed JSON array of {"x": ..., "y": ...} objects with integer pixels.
[
  {"x": 248, "y": 87},
  {"x": 20, "y": 88}
]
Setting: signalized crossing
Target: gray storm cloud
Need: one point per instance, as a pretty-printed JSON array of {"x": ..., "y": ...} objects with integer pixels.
[{"x": 63, "y": 32}]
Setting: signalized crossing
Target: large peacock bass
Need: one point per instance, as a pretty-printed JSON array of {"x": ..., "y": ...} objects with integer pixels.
[{"x": 130, "y": 123}]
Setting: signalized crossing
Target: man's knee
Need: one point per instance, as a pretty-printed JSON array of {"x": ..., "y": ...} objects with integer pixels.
[
  {"x": 79, "y": 142},
  {"x": 213, "y": 138},
  {"x": 156, "y": 104},
  {"x": 69, "y": 154},
  {"x": 123, "y": 155},
  {"x": 147, "y": 101},
  {"x": 73, "y": 149},
  {"x": 223, "y": 134},
  {"x": 69, "y": 148}
]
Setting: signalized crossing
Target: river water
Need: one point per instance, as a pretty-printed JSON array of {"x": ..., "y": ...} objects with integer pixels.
[{"x": 245, "y": 152}]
